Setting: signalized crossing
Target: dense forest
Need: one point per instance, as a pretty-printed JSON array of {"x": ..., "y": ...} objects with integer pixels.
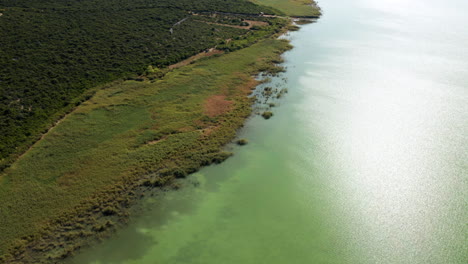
[{"x": 52, "y": 51}]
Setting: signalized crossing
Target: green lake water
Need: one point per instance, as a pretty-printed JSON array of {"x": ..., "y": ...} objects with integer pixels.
[{"x": 364, "y": 161}]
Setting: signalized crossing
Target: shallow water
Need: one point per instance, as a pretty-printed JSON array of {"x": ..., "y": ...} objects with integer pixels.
[{"x": 364, "y": 161}]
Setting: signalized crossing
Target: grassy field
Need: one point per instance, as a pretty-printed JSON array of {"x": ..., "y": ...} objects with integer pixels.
[
  {"x": 129, "y": 129},
  {"x": 292, "y": 7}
]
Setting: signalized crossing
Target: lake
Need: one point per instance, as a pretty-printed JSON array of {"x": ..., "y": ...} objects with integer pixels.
[{"x": 364, "y": 161}]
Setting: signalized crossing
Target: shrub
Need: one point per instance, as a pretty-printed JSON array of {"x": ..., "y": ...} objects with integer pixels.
[
  {"x": 242, "y": 142},
  {"x": 267, "y": 115},
  {"x": 109, "y": 211},
  {"x": 179, "y": 173}
]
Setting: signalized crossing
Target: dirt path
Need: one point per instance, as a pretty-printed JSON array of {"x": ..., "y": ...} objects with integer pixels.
[
  {"x": 251, "y": 24},
  {"x": 176, "y": 24},
  {"x": 43, "y": 135},
  {"x": 200, "y": 55}
]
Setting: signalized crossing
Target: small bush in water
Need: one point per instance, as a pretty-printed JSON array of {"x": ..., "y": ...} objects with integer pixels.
[
  {"x": 267, "y": 115},
  {"x": 242, "y": 142}
]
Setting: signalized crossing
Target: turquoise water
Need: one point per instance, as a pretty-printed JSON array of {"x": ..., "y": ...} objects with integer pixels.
[{"x": 364, "y": 161}]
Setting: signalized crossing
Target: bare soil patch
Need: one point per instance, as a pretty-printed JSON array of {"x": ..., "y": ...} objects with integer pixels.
[
  {"x": 256, "y": 23},
  {"x": 200, "y": 55},
  {"x": 217, "y": 105}
]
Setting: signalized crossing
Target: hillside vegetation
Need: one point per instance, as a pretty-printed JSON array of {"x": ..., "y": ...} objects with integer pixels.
[{"x": 52, "y": 51}]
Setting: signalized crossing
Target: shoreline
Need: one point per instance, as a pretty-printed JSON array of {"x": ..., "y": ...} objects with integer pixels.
[
  {"x": 99, "y": 216},
  {"x": 110, "y": 206}
]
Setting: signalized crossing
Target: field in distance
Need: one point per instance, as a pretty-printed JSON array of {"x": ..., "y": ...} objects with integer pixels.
[{"x": 292, "y": 7}]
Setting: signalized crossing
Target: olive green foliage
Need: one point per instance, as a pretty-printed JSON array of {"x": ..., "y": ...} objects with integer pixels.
[
  {"x": 245, "y": 40},
  {"x": 242, "y": 142},
  {"x": 267, "y": 114},
  {"x": 293, "y": 28},
  {"x": 295, "y": 8},
  {"x": 124, "y": 132},
  {"x": 52, "y": 51}
]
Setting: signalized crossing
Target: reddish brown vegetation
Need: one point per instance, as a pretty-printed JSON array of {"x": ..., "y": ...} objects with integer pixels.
[{"x": 217, "y": 105}]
